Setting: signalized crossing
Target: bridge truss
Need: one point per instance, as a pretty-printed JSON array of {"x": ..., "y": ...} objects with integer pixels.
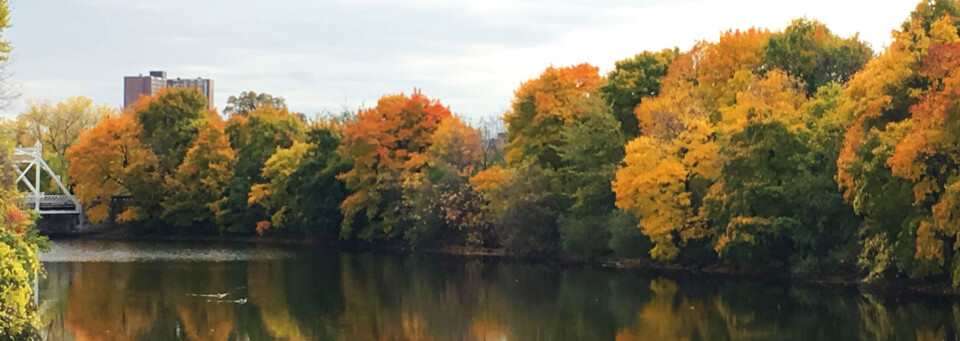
[{"x": 29, "y": 166}]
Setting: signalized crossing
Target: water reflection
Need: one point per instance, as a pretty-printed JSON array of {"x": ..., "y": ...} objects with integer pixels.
[{"x": 267, "y": 294}]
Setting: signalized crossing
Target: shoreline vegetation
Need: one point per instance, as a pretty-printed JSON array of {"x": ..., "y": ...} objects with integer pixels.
[{"x": 794, "y": 154}]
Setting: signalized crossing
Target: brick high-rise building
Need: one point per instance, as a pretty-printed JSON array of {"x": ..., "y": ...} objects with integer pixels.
[{"x": 134, "y": 86}]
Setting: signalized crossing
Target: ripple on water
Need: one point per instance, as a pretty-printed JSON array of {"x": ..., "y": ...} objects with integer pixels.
[{"x": 117, "y": 251}]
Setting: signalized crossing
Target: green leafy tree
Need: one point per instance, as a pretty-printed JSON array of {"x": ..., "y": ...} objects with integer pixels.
[
  {"x": 591, "y": 148},
  {"x": 171, "y": 121},
  {"x": 528, "y": 224},
  {"x": 808, "y": 50},
  {"x": 317, "y": 193},
  {"x": 255, "y": 138},
  {"x": 633, "y": 79},
  {"x": 773, "y": 209},
  {"x": 249, "y": 101}
]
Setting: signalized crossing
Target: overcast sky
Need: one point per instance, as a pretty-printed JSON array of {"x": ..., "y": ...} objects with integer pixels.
[{"x": 330, "y": 54}]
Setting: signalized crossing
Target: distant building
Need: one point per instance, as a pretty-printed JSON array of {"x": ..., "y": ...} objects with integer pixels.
[{"x": 134, "y": 86}]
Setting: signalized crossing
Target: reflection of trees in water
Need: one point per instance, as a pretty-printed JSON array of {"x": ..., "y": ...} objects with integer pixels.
[
  {"x": 375, "y": 297},
  {"x": 670, "y": 314},
  {"x": 102, "y": 304},
  {"x": 908, "y": 321},
  {"x": 413, "y": 299},
  {"x": 53, "y": 307},
  {"x": 297, "y": 299},
  {"x": 200, "y": 317},
  {"x": 124, "y": 301},
  {"x": 756, "y": 311}
]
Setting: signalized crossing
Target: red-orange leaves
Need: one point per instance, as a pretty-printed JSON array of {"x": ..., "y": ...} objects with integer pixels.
[
  {"x": 935, "y": 119},
  {"x": 381, "y": 142}
]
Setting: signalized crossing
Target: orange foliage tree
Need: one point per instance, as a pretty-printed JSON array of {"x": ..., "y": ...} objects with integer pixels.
[
  {"x": 385, "y": 142},
  {"x": 110, "y": 160},
  {"x": 542, "y": 107},
  {"x": 928, "y": 155}
]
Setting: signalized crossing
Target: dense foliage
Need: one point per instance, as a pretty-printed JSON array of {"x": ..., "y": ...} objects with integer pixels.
[
  {"x": 20, "y": 245},
  {"x": 793, "y": 151}
]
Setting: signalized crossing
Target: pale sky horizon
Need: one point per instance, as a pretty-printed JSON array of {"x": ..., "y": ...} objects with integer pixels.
[{"x": 470, "y": 55}]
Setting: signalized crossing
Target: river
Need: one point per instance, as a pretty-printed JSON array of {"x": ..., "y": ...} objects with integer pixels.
[{"x": 106, "y": 290}]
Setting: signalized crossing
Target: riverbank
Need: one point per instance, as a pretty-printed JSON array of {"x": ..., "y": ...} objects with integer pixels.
[{"x": 848, "y": 281}]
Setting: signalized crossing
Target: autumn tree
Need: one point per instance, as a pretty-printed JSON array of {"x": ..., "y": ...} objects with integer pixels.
[
  {"x": 301, "y": 193},
  {"x": 249, "y": 101},
  {"x": 171, "y": 121},
  {"x": 110, "y": 160},
  {"x": 5, "y": 46},
  {"x": 443, "y": 208},
  {"x": 198, "y": 187},
  {"x": 542, "y": 107},
  {"x": 20, "y": 243},
  {"x": 7, "y": 92},
  {"x": 695, "y": 128},
  {"x": 563, "y": 145},
  {"x": 926, "y": 153},
  {"x": 773, "y": 205},
  {"x": 385, "y": 142},
  {"x": 667, "y": 170},
  {"x": 633, "y": 79},
  {"x": 895, "y": 164},
  {"x": 254, "y": 137},
  {"x": 274, "y": 194},
  {"x": 57, "y": 127},
  {"x": 727, "y": 66}
]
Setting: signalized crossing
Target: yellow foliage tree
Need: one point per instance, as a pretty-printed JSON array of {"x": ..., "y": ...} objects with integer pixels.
[
  {"x": 272, "y": 195},
  {"x": 677, "y": 145},
  {"x": 709, "y": 93}
]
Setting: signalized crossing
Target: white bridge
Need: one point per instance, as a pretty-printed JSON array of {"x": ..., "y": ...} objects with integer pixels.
[{"x": 29, "y": 166}]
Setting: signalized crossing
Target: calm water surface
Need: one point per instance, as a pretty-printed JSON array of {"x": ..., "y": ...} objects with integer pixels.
[{"x": 97, "y": 290}]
